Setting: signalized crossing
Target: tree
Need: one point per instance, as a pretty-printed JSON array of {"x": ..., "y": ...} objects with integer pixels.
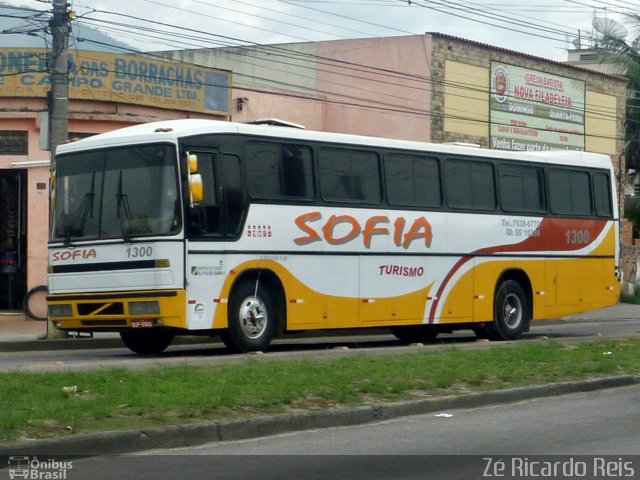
[{"x": 624, "y": 54}]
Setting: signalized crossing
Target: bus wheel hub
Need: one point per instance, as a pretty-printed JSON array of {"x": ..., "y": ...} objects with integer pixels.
[{"x": 253, "y": 317}]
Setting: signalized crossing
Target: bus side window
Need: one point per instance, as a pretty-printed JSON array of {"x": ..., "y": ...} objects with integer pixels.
[
  {"x": 521, "y": 188},
  {"x": 296, "y": 172},
  {"x": 602, "y": 194},
  {"x": 263, "y": 162},
  {"x": 221, "y": 210},
  {"x": 469, "y": 184},
  {"x": 412, "y": 180},
  {"x": 205, "y": 216},
  {"x": 569, "y": 192},
  {"x": 231, "y": 199},
  {"x": 279, "y": 171},
  {"x": 349, "y": 175}
]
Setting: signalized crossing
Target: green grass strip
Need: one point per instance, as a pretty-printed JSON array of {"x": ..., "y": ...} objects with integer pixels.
[{"x": 41, "y": 405}]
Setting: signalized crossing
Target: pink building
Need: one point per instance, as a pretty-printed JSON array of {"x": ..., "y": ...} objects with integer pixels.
[{"x": 107, "y": 91}]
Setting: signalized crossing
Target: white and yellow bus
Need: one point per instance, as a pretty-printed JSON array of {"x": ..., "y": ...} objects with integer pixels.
[{"x": 251, "y": 231}]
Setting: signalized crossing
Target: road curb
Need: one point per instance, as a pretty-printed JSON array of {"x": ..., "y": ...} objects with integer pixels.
[
  {"x": 174, "y": 436},
  {"x": 86, "y": 343}
]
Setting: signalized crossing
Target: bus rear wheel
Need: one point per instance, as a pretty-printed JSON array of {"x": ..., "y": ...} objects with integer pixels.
[
  {"x": 415, "y": 333},
  {"x": 511, "y": 312},
  {"x": 252, "y": 318},
  {"x": 147, "y": 341}
]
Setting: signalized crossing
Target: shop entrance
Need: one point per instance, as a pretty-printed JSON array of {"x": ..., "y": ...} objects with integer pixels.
[{"x": 13, "y": 238}]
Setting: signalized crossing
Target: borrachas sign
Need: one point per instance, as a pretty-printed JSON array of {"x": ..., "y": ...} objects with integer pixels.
[{"x": 123, "y": 78}]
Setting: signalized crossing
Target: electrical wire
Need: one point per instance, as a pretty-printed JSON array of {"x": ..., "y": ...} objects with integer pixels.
[
  {"x": 355, "y": 102},
  {"x": 285, "y": 85},
  {"x": 353, "y": 98},
  {"x": 424, "y": 78}
]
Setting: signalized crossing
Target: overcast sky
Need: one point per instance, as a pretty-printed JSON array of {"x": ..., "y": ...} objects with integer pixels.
[{"x": 544, "y": 28}]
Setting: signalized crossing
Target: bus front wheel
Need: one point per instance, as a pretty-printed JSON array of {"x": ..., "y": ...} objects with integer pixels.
[
  {"x": 252, "y": 319},
  {"x": 147, "y": 341},
  {"x": 511, "y": 312}
]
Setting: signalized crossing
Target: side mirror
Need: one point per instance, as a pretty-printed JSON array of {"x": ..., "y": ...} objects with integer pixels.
[
  {"x": 192, "y": 162},
  {"x": 196, "y": 189},
  {"x": 52, "y": 189}
]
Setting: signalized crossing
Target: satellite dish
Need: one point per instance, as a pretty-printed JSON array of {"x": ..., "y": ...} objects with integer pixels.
[{"x": 609, "y": 27}]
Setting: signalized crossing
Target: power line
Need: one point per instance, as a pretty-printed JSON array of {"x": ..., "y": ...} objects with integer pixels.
[
  {"x": 373, "y": 24},
  {"x": 370, "y": 104},
  {"x": 314, "y": 20},
  {"x": 315, "y": 59},
  {"x": 493, "y": 20}
]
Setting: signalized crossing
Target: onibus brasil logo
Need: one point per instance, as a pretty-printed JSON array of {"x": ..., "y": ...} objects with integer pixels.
[{"x": 35, "y": 469}]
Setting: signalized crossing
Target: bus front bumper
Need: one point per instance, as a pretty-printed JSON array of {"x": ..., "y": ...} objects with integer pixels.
[{"x": 116, "y": 311}]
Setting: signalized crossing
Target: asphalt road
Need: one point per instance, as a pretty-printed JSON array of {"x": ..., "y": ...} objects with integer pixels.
[
  {"x": 596, "y": 432},
  {"x": 604, "y": 422},
  {"x": 469, "y": 443},
  {"x": 211, "y": 352}
]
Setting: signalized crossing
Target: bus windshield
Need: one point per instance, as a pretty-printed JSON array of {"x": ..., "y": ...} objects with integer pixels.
[{"x": 116, "y": 193}]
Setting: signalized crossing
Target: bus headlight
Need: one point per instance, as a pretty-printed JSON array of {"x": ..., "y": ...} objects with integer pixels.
[
  {"x": 144, "y": 308},
  {"x": 60, "y": 310}
]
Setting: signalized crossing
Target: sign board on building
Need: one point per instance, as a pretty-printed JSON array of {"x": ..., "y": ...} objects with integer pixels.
[
  {"x": 534, "y": 110},
  {"x": 124, "y": 78}
]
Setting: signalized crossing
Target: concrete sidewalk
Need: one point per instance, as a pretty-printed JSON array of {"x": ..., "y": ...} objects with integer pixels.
[{"x": 18, "y": 333}]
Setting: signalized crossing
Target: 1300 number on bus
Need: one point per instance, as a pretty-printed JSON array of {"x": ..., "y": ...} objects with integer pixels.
[
  {"x": 139, "y": 252},
  {"x": 577, "y": 237}
]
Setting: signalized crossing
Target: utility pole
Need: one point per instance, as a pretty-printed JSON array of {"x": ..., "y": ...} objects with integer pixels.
[{"x": 58, "y": 100}]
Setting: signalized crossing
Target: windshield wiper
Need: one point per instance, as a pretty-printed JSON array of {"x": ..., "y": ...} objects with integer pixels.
[
  {"x": 85, "y": 210},
  {"x": 124, "y": 211}
]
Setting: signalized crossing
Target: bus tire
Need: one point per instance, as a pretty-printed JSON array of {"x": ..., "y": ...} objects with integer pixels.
[
  {"x": 511, "y": 312},
  {"x": 147, "y": 341},
  {"x": 252, "y": 318},
  {"x": 415, "y": 333}
]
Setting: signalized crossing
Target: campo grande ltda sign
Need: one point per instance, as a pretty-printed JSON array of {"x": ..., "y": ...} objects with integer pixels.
[
  {"x": 124, "y": 78},
  {"x": 533, "y": 110}
]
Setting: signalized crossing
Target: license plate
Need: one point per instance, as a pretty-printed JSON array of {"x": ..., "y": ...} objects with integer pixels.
[{"x": 141, "y": 323}]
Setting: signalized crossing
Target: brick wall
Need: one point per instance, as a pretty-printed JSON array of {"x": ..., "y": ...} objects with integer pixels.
[{"x": 464, "y": 51}]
